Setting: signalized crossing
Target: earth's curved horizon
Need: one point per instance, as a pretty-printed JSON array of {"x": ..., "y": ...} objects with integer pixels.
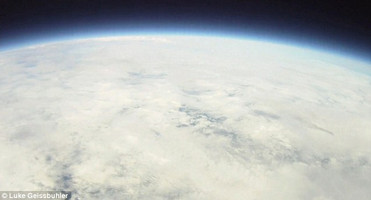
[{"x": 177, "y": 117}]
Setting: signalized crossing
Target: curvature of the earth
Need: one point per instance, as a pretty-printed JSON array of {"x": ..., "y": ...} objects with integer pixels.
[{"x": 184, "y": 118}]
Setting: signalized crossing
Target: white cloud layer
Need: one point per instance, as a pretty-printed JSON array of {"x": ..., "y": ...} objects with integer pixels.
[{"x": 184, "y": 118}]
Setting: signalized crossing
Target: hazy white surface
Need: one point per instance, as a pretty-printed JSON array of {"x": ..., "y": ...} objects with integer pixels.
[{"x": 184, "y": 118}]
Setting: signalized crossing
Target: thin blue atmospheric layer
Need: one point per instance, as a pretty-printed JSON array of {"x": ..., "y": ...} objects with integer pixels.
[{"x": 39, "y": 39}]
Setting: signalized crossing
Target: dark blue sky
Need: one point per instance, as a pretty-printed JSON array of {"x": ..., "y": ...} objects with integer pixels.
[{"x": 342, "y": 26}]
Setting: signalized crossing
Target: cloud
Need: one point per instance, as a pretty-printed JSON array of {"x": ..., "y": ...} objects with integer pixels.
[{"x": 190, "y": 118}]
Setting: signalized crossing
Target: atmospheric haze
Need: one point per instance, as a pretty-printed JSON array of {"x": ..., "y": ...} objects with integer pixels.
[{"x": 176, "y": 117}]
